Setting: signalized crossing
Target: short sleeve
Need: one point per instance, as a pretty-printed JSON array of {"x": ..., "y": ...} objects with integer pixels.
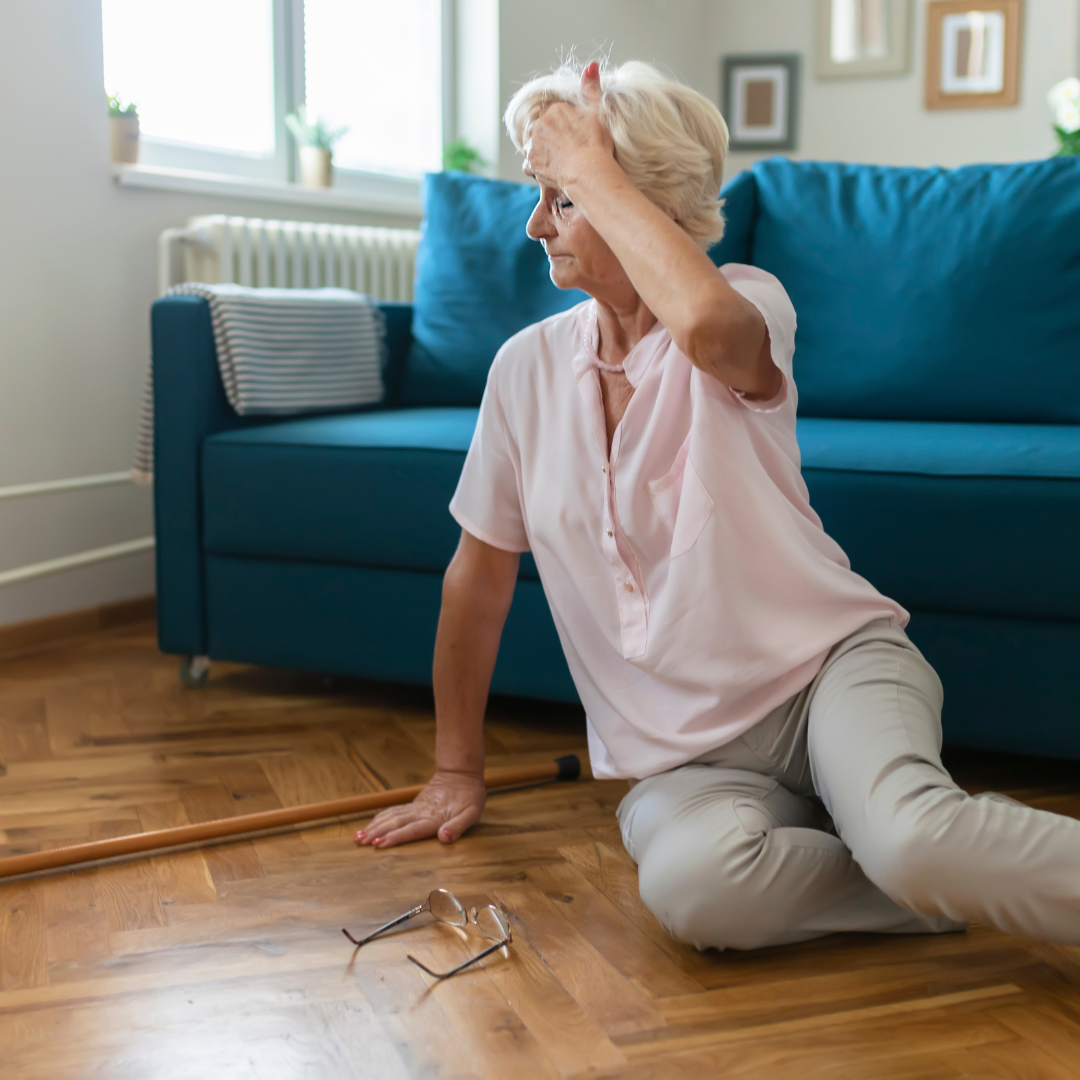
[
  {"x": 770, "y": 298},
  {"x": 487, "y": 502}
]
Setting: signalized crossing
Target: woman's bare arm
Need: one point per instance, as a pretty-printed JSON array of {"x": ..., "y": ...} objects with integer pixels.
[
  {"x": 718, "y": 329},
  {"x": 477, "y": 590}
]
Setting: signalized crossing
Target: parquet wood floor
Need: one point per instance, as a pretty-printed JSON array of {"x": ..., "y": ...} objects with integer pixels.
[{"x": 229, "y": 962}]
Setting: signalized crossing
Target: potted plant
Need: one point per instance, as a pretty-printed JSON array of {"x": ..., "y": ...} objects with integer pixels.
[
  {"x": 316, "y": 140},
  {"x": 123, "y": 130},
  {"x": 459, "y": 156},
  {"x": 1064, "y": 99}
]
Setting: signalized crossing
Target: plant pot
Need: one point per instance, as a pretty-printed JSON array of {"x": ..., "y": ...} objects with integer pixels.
[
  {"x": 316, "y": 167},
  {"x": 124, "y": 139}
]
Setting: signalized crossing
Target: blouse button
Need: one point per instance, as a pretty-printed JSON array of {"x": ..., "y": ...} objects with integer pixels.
[
  {"x": 603, "y": 468},
  {"x": 609, "y": 532},
  {"x": 628, "y": 586}
]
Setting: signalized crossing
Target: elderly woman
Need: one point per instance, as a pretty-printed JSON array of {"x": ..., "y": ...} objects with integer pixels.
[{"x": 780, "y": 732}]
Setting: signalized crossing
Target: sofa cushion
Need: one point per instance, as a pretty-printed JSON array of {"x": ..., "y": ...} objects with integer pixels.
[
  {"x": 968, "y": 518},
  {"x": 933, "y": 294},
  {"x": 369, "y": 489},
  {"x": 479, "y": 280}
]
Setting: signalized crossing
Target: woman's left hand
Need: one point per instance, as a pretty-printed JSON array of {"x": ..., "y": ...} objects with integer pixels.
[{"x": 565, "y": 138}]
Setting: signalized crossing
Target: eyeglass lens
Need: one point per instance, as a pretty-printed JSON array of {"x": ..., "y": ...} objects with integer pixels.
[
  {"x": 447, "y": 908},
  {"x": 492, "y": 923},
  {"x": 443, "y": 905}
]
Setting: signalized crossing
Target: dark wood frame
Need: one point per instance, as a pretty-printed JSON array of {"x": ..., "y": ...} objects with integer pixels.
[{"x": 793, "y": 62}]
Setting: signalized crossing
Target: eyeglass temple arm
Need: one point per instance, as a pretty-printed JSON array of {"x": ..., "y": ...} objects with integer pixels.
[
  {"x": 461, "y": 967},
  {"x": 386, "y": 926}
]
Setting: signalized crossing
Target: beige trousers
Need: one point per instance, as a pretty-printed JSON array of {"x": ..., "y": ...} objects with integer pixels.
[{"x": 835, "y": 813}]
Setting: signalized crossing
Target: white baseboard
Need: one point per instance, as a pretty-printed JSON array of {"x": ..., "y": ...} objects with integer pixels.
[{"x": 126, "y": 578}]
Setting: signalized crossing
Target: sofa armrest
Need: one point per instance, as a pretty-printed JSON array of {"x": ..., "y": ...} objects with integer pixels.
[{"x": 189, "y": 406}]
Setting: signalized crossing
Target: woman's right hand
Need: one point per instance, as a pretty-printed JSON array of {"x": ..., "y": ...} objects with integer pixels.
[{"x": 450, "y": 803}]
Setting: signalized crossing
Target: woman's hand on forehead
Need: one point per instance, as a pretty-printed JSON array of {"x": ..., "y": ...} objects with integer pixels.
[{"x": 564, "y": 137}]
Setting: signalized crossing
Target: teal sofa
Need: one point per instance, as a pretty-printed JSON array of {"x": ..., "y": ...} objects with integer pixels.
[{"x": 938, "y": 365}]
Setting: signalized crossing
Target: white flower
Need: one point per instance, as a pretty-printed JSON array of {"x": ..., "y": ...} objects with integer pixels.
[
  {"x": 1068, "y": 116},
  {"x": 1066, "y": 92}
]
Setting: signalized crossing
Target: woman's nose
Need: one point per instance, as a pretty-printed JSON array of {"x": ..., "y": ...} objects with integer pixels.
[{"x": 540, "y": 225}]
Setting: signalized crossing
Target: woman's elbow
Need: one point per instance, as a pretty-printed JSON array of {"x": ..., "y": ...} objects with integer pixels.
[{"x": 733, "y": 350}]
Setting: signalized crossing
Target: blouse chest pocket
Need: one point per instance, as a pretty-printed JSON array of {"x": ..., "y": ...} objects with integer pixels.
[{"x": 682, "y": 502}]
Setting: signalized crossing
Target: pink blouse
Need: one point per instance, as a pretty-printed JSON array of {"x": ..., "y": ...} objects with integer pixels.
[{"x": 692, "y": 584}]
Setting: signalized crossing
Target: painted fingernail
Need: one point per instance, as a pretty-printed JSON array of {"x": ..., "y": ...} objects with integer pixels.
[{"x": 360, "y": 837}]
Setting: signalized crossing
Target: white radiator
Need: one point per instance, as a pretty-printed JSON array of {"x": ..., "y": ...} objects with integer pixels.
[{"x": 290, "y": 255}]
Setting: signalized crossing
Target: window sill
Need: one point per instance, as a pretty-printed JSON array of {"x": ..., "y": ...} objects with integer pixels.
[{"x": 155, "y": 177}]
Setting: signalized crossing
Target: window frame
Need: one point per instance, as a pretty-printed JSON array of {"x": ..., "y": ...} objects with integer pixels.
[{"x": 283, "y": 165}]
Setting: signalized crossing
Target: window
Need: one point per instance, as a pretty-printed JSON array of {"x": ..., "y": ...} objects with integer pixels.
[
  {"x": 214, "y": 79},
  {"x": 385, "y": 95}
]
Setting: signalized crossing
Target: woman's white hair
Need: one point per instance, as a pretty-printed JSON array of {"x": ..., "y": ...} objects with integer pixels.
[{"x": 670, "y": 140}]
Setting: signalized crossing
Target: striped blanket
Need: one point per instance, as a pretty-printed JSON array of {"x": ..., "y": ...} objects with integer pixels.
[{"x": 283, "y": 352}]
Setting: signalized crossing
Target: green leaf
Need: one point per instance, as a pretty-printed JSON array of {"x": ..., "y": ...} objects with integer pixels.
[{"x": 459, "y": 156}]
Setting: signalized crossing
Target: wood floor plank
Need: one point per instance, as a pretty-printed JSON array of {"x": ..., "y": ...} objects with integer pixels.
[
  {"x": 226, "y": 862},
  {"x": 130, "y": 896},
  {"x": 24, "y": 733},
  {"x": 614, "y": 874},
  {"x": 23, "y": 947},
  {"x": 391, "y": 753},
  {"x": 1018, "y": 1059},
  {"x": 76, "y": 928},
  {"x": 501, "y": 1044},
  {"x": 606, "y": 995},
  {"x": 650, "y": 1046},
  {"x": 1055, "y": 1034},
  {"x": 423, "y": 1036},
  {"x": 594, "y": 915},
  {"x": 574, "y": 1041},
  {"x": 320, "y": 770}
]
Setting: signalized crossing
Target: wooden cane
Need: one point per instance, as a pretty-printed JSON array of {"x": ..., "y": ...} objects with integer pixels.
[{"x": 564, "y": 768}]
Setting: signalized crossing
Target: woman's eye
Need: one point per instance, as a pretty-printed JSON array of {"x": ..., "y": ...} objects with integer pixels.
[{"x": 564, "y": 204}]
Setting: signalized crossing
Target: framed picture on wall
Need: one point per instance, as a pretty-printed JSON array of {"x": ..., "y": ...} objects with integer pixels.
[
  {"x": 760, "y": 100},
  {"x": 972, "y": 53},
  {"x": 861, "y": 38}
]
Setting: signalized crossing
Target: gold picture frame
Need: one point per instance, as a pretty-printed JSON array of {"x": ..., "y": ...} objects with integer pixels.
[{"x": 973, "y": 53}]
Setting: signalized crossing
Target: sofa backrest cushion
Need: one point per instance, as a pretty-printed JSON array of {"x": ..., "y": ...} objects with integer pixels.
[
  {"x": 928, "y": 294},
  {"x": 479, "y": 280},
  {"x": 740, "y": 214}
]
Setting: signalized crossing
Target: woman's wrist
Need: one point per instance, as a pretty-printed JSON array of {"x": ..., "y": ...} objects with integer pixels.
[{"x": 595, "y": 171}]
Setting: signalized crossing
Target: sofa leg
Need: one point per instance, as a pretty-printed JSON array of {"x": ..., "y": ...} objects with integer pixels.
[{"x": 194, "y": 671}]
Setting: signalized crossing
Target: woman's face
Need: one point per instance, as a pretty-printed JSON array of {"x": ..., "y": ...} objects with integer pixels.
[{"x": 579, "y": 258}]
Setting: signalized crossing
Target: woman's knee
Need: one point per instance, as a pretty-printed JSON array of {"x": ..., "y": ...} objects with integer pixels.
[
  {"x": 909, "y": 856},
  {"x": 705, "y": 897}
]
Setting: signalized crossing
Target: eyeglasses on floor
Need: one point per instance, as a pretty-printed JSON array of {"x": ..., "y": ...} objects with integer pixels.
[{"x": 445, "y": 907}]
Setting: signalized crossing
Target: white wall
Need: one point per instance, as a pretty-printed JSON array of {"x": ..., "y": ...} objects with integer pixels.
[
  {"x": 882, "y": 120},
  {"x": 535, "y": 35},
  {"x": 77, "y": 277}
]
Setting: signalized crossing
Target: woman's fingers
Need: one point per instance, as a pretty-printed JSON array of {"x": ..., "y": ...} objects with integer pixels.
[
  {"x": 414, "y": 830},
  {"x": 453, "y": 828},
  {"x": 384, "y": 822},
  {"x": 590, "y": 83}
]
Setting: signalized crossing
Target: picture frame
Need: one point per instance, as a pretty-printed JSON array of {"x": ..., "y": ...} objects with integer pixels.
[
  {"x": 760, "y": 100},
  {"x": 862, "y": 38},
  {"x": 973, "y": 53}
]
